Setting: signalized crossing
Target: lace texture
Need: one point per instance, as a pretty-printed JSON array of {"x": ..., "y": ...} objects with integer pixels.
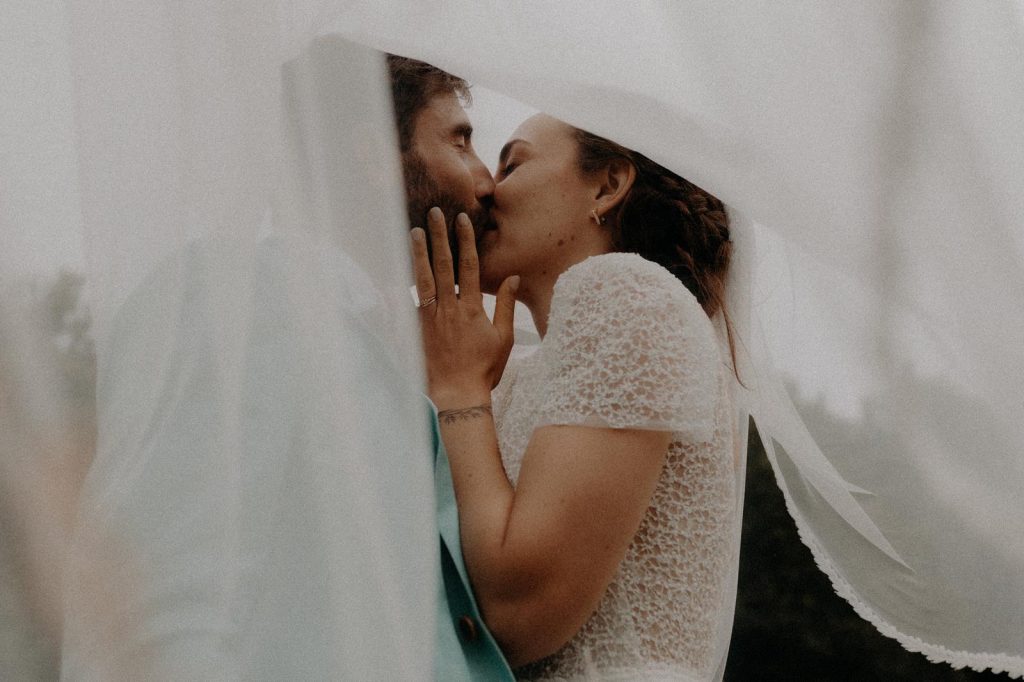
[{"x": 629, "y": 347}]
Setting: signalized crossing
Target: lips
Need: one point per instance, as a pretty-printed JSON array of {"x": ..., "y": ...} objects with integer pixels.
[
  {"x": 485, "y": 238},
  {"x": 487, "y": 226}
]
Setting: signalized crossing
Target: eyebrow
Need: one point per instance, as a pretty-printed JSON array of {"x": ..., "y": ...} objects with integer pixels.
[{"x": 507, "y": 148}]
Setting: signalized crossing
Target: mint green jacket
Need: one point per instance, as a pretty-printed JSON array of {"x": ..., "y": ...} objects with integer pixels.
[{"x": 465, "y": 649}]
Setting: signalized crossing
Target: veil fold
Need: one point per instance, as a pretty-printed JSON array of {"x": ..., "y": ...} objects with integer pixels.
[
  {"x": 258, "y": 502},
  {"x": 877, "y": 152}
]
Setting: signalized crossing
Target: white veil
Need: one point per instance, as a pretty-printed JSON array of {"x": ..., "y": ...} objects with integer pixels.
[
  {"x": 259, "y": 501},
  {"x": 879, "y": 148}
]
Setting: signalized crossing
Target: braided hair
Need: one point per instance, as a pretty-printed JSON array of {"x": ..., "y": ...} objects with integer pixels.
[{"x": 667, "y": 219}]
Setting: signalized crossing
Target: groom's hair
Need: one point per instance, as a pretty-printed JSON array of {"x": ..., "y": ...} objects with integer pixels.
[{"x": 413, "y": 85}]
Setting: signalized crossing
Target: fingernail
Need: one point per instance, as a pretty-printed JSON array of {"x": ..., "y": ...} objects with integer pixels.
[
  {"x": 435, "y": 213},
  {"x": 417, "y": 234},
  {"x": 514, "y": 283},
  {"x": 463, "y": 219}
]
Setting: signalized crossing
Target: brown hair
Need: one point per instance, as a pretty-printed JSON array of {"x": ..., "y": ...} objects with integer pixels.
[
  {"x": 413, "y": 85},
  {"x": 667, "y": 219}
]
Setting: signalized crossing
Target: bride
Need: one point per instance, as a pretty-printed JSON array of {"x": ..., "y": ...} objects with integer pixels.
[{"x": 596, "y": 484}]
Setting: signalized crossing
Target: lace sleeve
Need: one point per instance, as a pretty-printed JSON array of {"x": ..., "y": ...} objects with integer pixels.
[{"x": 629, "y": 347}]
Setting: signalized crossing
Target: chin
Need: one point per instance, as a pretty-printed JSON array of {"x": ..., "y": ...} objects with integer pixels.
[
  {"x": 489, "y": 283},
  {"x": 488, "y": 286}
]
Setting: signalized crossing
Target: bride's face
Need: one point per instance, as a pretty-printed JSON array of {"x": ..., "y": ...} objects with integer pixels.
[{"x": 541, "y": 207}]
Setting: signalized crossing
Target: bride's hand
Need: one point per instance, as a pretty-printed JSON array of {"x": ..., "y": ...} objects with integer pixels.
[{"x": 465, "y": 352}]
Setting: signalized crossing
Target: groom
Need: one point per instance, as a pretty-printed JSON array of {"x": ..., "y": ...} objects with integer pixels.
[{"x": 441, "y": 169}]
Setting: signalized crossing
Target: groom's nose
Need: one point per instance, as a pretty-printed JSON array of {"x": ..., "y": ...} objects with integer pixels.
[{"x": 483, "y": 183}]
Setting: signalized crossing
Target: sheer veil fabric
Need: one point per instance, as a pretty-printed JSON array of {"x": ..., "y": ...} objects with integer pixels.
[
  {"x": 878, "y": 149},
  {"x": 259, "y": 503},
  {"x": 224, "y": 174}
]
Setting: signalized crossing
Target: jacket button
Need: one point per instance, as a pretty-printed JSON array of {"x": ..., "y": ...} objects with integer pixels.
[{"x": 467, "y": 626}]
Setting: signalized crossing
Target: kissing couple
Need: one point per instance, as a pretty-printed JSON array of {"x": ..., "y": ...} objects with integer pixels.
[{"x": 587, "y": 504}]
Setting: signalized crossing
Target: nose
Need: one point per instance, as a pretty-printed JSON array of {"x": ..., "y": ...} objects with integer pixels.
[{"x": 483, "y": 182}]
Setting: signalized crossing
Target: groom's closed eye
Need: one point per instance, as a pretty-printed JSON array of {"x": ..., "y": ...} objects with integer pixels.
[{"x": 462, "y": 136}]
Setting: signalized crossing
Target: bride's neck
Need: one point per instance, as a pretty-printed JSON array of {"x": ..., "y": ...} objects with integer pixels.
[
  {"x": 537, "y": 299},
  {"x": 536, "y": 291}
]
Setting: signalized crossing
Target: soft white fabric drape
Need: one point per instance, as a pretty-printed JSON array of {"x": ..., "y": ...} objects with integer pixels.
[
  {"x": 880, "y": 147},
  {"x": 259, "y": 503}
]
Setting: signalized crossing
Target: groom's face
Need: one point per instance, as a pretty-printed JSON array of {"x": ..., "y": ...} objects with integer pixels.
[{"x": 442, "y": 169}]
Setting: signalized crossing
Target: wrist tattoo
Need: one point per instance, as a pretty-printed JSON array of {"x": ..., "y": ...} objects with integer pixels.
[{"x": 464, "y": 414}]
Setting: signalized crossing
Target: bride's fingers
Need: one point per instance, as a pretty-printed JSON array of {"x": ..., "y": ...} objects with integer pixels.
[
  {"x": 422, "y": 274},
  {"x": 505, "y": 308},
  {"x": 444, "y": 273},
  {"x": 469, "y": 265}
]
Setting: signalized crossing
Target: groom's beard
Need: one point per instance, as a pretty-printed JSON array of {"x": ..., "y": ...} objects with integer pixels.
[{"x": 422, "y": 194}]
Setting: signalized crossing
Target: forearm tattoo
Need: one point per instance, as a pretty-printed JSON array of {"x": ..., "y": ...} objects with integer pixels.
[{"x": 464, "y": 414}]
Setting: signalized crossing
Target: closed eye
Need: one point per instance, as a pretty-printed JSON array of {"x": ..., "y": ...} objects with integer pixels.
[
  {"x": 505, "y": 159},
  {"x": 462, "y": 136}
]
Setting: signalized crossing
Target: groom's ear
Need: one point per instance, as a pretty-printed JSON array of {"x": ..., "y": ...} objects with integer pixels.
[{"x": 614, "y": 183}]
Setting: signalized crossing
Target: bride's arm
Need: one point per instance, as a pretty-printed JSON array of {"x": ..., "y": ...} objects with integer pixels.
[{"x": 540, "y": 556}]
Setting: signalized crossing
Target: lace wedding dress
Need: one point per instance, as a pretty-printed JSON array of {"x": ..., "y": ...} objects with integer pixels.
[{"x": 629, "y": 347}]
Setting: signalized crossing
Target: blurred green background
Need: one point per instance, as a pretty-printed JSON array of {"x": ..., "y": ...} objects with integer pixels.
[{"x": 790, "y": 624}]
